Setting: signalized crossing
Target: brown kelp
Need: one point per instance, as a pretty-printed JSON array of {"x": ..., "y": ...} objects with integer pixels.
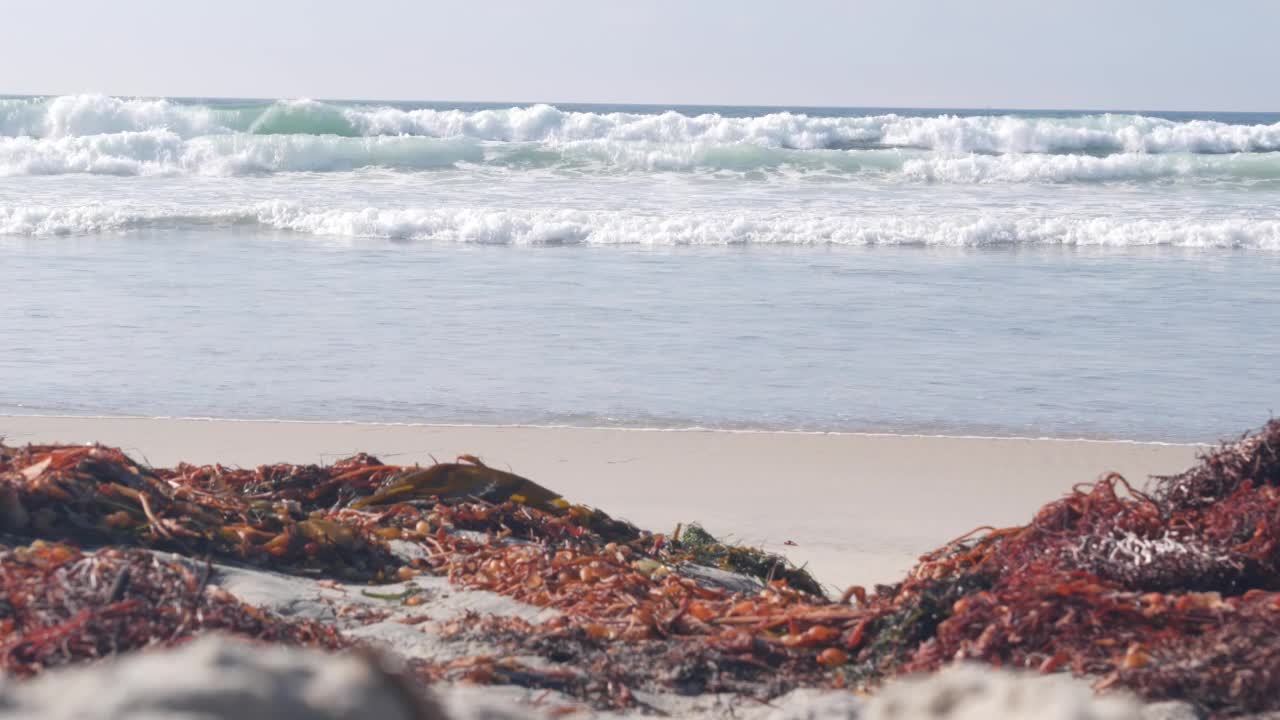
[
  {"x": 59, "y": 605},
  {"x": 1172, "y": 591},
  {"x": 98, "y": 495}
]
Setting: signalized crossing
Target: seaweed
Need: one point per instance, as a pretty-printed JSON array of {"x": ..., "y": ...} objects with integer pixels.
[
  {"x": 696, "y": 545},
  {"x": 1172, "y": 592},
  {"x": 98, "y": 495},
  {"x": 607, "y": 672},
  {"x": 61, "y": 605},
  {"x": 1253, "y": 460}
]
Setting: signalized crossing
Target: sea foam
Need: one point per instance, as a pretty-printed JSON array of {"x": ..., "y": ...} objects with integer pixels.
[
  {"x": 480, "y": 225},
  {"x": 1103, "y": 133},
  {"x": 165, "y": 152}
]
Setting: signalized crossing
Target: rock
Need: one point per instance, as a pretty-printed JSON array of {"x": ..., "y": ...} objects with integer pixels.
[
  {"x": 217, "y": 677},
  {"x": 971, "y": 692},
  {"x": 722, "y": 579},
  {"x": 1172, "y": 710},
  {"x": 809, "y": 704}
]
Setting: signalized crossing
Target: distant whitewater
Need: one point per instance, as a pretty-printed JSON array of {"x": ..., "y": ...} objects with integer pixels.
[
  {"x": 117, "y": 136},
  {"x": 539, "y": 174}
]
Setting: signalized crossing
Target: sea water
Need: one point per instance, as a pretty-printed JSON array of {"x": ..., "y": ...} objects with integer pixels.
[{"x": 951, "y": 272}]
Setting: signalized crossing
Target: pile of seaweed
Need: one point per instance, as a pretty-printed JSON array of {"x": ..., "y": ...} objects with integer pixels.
[
  {"x": 702, "y": 548},
  {"x": 98, "y": 495},
  {"x": 482, "y": 528},
  {"x": 59, "y": 605},
  {"x": 1172, "y": 592}
]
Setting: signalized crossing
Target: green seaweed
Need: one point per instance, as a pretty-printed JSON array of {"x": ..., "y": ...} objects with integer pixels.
[
  {"x": 408, "y": 593},
  {"x": 893, "y": 638},
  {"x": 695, "y": 545}
]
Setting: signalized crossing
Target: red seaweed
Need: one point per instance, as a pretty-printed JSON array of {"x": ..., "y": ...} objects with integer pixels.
[
  {"x": 1172, "y": 592},
  {"x": 59, "y": 605}
]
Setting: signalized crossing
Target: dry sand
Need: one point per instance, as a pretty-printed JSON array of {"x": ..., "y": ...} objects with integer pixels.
[{"x": 859, "y": 508}]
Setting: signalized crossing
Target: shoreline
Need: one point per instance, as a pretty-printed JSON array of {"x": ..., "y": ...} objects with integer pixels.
[
  {"x": 609, "y": 428},
  {"x": 852, "y": 508}
]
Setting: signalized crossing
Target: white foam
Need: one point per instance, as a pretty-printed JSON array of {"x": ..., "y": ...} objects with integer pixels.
[
  {"x": 544, "y": 227},
  {"x": 578, "y": 227},
  {"x": 981, "y": 134},
  {"x": 163, "y": 152},
  {"x": 1022, "y": 168},
  {"x": 82, "y": 115},
  {"x": 42, "y": 220},
  {"x": 125, "y": 153}
]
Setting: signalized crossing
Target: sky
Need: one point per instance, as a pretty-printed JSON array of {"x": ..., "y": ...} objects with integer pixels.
[{"x": 1118, "y": 54}]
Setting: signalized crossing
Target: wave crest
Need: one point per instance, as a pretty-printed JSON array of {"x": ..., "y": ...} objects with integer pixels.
[
  {"x": 162, "y": 152},
  {"x": 572, "y": 227},
  {"x": 81, "y": 115},
  {"x": 165, "y": 152}
]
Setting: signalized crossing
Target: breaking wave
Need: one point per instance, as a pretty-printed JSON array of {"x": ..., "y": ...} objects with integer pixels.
[
  {"x": 1094, "y": 134},
  {"x": 101, "y": 134},
  {"x": 164, "y": 152},
  {"x": 573, "y": 227}
]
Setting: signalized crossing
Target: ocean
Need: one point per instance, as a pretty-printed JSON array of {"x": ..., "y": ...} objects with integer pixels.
[{"x": 988, "y": 272}]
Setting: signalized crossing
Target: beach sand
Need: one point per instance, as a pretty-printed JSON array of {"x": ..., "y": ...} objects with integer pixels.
[{"x": 859, "y": 508}]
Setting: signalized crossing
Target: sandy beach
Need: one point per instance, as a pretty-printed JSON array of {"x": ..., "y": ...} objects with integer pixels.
[{"x": 859, "y": 508}]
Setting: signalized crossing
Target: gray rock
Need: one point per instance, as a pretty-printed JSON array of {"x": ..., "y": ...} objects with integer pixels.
[
  {"x": 811, "y": 704},
  {"x": 216, "y": 677},
  {"x": 722, "y": 579},
  {"x": 219, "y": 678},
  {"x": 971, "y": 692},
  {"x": 1172, "y": 710}
]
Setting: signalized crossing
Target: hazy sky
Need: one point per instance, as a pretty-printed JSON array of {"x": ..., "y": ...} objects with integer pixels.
[{"x": 1145, "y": 54}]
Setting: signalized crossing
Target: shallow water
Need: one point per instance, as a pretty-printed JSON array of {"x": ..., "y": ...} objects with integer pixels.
[{"x": 1145, "y": 344}]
